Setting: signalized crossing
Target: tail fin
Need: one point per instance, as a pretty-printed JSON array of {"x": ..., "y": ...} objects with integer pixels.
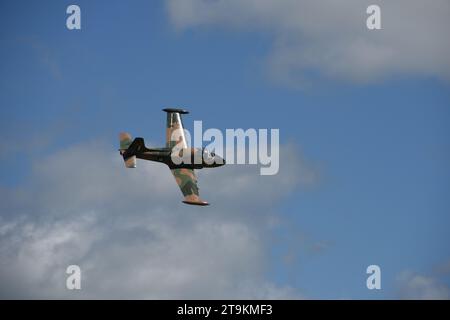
[{"x": 125, "y": 142}]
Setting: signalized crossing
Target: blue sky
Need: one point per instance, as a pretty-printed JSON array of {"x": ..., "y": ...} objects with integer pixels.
[{"x": 380, "y": 147}]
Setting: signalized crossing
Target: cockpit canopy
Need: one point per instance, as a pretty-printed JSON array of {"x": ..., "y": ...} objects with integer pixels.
[
  {"x": 196, "y": 158},
  {"x": 210, "y": 159},
  {"x": 208, "y": 154}
]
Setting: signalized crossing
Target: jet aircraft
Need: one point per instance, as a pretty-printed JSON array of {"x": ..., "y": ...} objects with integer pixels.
[{"x": 183, "y": 171}]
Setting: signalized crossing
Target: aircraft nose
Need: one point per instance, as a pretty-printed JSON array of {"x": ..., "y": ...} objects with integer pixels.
[{"x": 220, "y": 161}]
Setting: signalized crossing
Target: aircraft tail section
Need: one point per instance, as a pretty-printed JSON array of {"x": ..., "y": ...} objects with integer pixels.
[{"x": 125, "y": 144}]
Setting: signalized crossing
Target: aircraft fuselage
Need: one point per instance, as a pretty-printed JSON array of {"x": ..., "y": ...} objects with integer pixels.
[{"x": 196, "y": 159}]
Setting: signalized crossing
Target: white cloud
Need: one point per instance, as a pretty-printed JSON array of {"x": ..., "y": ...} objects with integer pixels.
[
  {"x": 329, "y": 39},
  {"x": 131, "y": 235},
  {"x": 415, "y": 286}
]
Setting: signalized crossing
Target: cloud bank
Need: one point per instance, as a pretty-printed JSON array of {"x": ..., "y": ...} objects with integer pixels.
[
  {"x": 416, "y": 286},
  {"x": 329, "y": 39},
  {"x": 131, "y": 235}
]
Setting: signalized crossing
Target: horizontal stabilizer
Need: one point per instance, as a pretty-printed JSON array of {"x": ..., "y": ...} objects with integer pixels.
[
  {"x": 130, "y": 162},
  {"x": 125, "y": 140},
  {"x": 125, "y": 143}
]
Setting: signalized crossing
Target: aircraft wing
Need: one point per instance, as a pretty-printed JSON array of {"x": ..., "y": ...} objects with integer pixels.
[
  {"x": 174, "y": 128},
  {"x": 187, "y": 181}
]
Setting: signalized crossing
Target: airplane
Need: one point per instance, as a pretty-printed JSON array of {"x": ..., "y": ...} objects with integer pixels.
[{"x": 183, "y": 172}]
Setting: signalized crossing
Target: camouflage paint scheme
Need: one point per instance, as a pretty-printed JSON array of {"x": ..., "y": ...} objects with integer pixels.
[
  {"x": 184, "y": 173},
  {"x": 187, "y": 181},
  {"x": 125, "y": 142},
  {"x": 174, "y": 127}
]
